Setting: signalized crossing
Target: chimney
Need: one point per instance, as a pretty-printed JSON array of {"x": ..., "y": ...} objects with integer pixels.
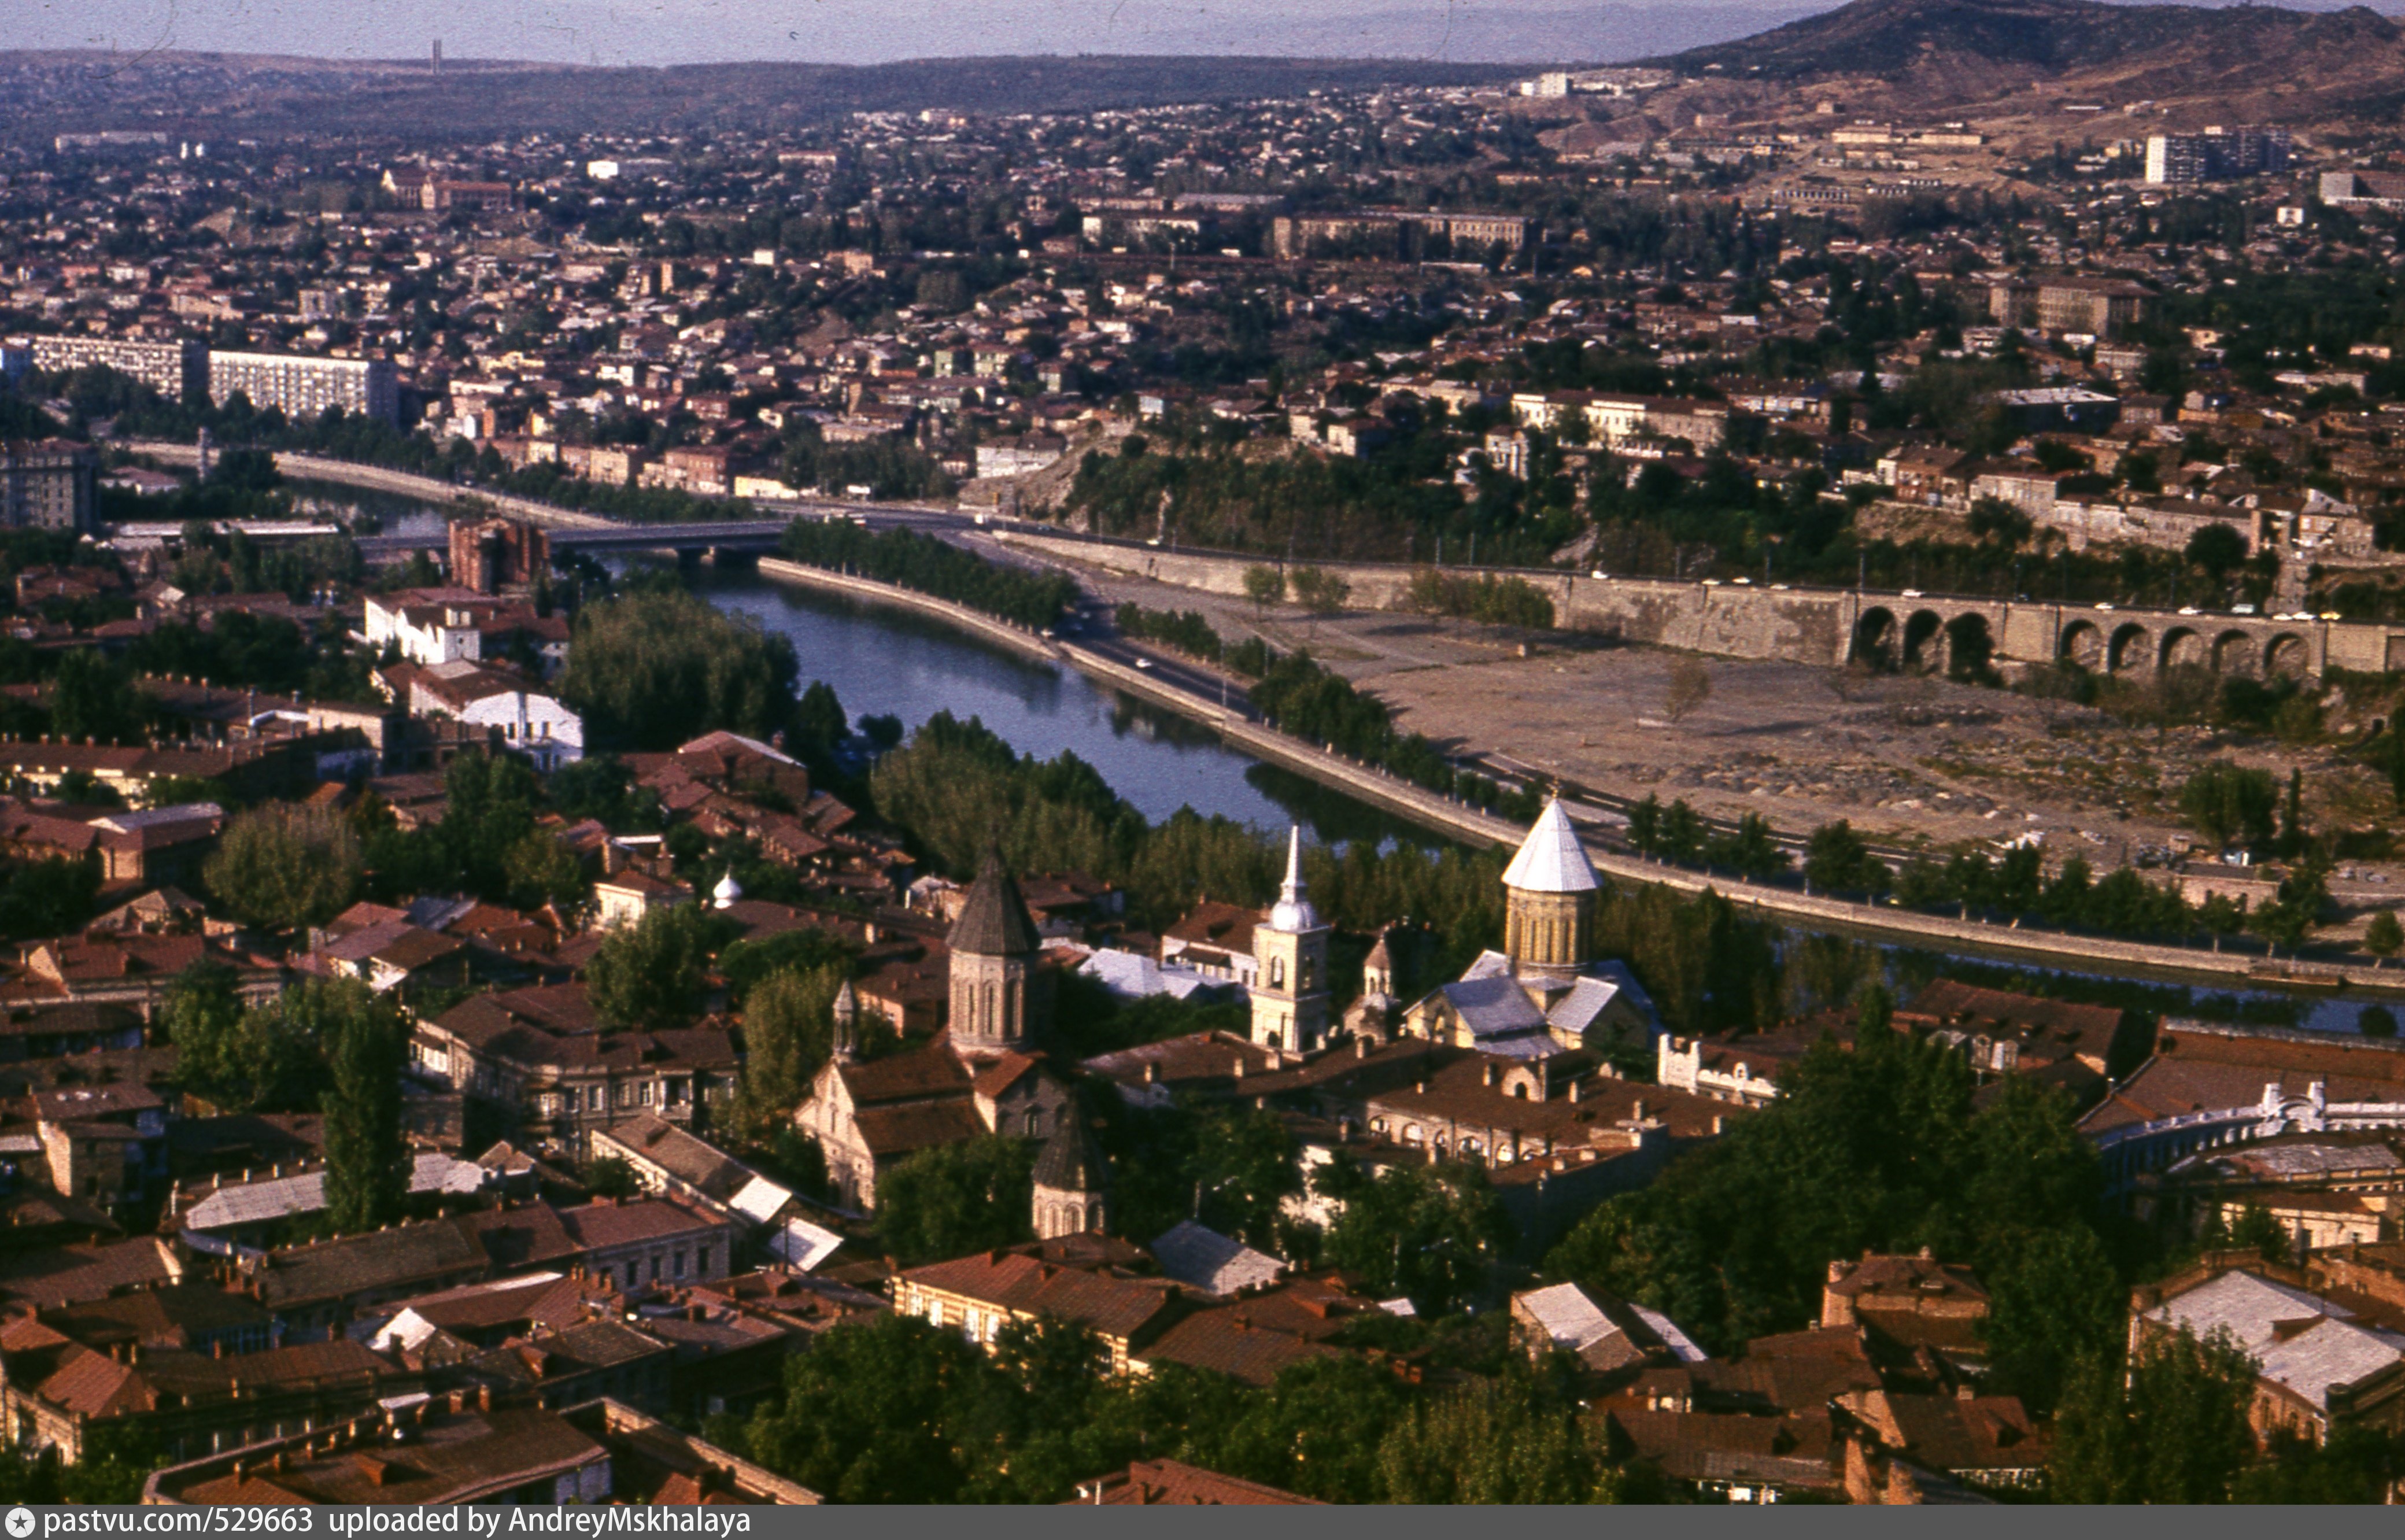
[
  {"x": 1151, "y": 1072},
  {"x": 1361, "y": 1046},
  {"x": 1574, "y": 1093},
  {"x": 1240, "y": 1067},
  {"x": 1486, "y": 1073},
  {"x": 1637, "y": 1112},
  {"x": 484, "y": 1398}
]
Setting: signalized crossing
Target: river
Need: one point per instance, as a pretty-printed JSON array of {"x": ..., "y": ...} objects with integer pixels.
[{"x": 882, "y": 661}]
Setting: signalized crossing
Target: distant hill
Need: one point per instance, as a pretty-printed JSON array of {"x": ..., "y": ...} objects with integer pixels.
[
  {"x": 1888, "y": 39},
  {"x": 43, "y": 93}
]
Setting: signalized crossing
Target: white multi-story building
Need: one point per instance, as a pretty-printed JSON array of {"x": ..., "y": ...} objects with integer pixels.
[{"x": 306, "y": 387}]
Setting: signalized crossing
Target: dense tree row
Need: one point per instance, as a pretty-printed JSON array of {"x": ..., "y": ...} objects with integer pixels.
[{"x": 912, "y": 560}]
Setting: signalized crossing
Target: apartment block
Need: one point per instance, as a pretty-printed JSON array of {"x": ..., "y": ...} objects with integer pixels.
[
  {"x": 306, "y": 387},
  {"x": 48, "y": 484},
  {"x": 177, "y": 370},
  {"x": 2174, "y": 159}
]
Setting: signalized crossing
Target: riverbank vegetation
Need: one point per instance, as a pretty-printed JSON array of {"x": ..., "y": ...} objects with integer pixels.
[
  {"x": 658, "y": 666},
  {"x": 926, "y": 565}
]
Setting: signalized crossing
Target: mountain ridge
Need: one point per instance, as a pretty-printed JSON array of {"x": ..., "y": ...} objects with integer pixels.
[{"x": 1889, "y": 39}]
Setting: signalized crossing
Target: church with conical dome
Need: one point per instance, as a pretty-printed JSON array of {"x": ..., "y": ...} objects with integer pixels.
[{"x": 1545, "y": 992}]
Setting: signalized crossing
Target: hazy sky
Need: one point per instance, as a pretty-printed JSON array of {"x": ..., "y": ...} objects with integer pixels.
[{"x": 654, "y": 31}]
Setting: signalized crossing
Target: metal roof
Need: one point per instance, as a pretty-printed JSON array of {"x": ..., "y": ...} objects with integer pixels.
[{"x": 1551, "y": 859}]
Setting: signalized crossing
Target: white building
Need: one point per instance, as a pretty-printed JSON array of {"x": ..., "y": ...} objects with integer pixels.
[
  {"x": 533, "y": 724},
  {"x": 431, "y": 625},
  {"x": 306, "y": 387},
  {"x": 625, "y": 898}
]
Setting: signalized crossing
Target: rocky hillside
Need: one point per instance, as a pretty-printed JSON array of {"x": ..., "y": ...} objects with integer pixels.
[{"x": 1886, "y": 38}]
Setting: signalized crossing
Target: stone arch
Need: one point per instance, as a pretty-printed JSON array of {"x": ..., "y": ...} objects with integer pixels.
[
  {"x": 2288, "y": 653},
  {"x": 2127, "y": 652},
  {"x": 2182, "y": 648},
  {"x": 2082, "y": 643},
  {"x": 1924, "y": 626},
  {"x": 1969, "y": 645},
  {"x": 1875, "y": 639},
  {"x": 2233, "y": 652}
]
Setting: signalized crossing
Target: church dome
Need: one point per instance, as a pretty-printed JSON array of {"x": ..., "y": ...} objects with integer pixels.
[
  {"x": 726, "y": 892},
  {"x": 1551, "y": 859}
]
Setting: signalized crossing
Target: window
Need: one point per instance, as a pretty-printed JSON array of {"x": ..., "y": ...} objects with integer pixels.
[
  {"x": 1277, "y": 972},
  {"x": 1034, "y": 1123},
  {"x": 701, "y": 1262},
  {"x": 677, "y": 1270},
  {"x": 655, "y": 1270}
]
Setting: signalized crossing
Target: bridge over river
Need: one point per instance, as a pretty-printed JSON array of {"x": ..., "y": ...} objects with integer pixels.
[{"x": 752, "y": 537}]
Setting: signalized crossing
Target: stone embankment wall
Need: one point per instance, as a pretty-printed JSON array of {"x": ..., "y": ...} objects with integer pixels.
[{"x": 1825, "y": 627}]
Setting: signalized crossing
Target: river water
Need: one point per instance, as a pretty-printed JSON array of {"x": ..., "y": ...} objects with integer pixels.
[{"x": 890, "y": 662}]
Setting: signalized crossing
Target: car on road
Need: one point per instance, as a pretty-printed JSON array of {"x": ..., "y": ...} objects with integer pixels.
[{"x": 1144, "y": 662}]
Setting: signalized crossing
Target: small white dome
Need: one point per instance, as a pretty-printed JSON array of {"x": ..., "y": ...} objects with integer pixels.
[{"x": 726, "y": 892}]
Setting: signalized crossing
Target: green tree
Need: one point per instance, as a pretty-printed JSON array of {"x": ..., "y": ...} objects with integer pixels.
[
  {"x": 2376, "y": 1021},
  {"x": 2170, "y": 1429},
  {"x": 658, "y": 667},
  {"x": 366, "y": 1163},
  {"x": 1429, "y": 1234},
  {"x": 92, "y": 700},
  {"x": 818, "y": 717},
  {"x": 202, "y": 1013},
  {"x": 1318, "y": 591},
  {"x": 1751, "y": 851},
  {"x": 654, "y": 974},
  {"x": 2295, "y": 907},
  {"x": 2217, "y": 550},
  {"x": 867, "y": 1414},
  {"x": 118, "y": 1458},
  {"x": 1264, "y": 586},
  {"x": 2230, "y": 804},
  {"x": 956, "y": 1199},
  {"x": 2383, "y": 937},
  {"x": 2219, "y": 916},
  {"x": 610, "y": 1177},
  {"x": 282, "y": 866},
  {"x": 1839, "y": 860},
  {"x": 788, "y": 1032},
  {"x": 1508, "y": 1440},
  {"x": 539, "y": 869},
  {"x": 48, "y": 897},
  {"x": 2055, "y": 1300}
]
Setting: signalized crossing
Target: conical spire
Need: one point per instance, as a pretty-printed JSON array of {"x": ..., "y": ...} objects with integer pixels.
[
  {"x": 1293, "y": 913},
  {"x": 1071, "y": 1161},
  {"x": 1551, "y": 859},
  {"x": 994, "y": 922}
]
